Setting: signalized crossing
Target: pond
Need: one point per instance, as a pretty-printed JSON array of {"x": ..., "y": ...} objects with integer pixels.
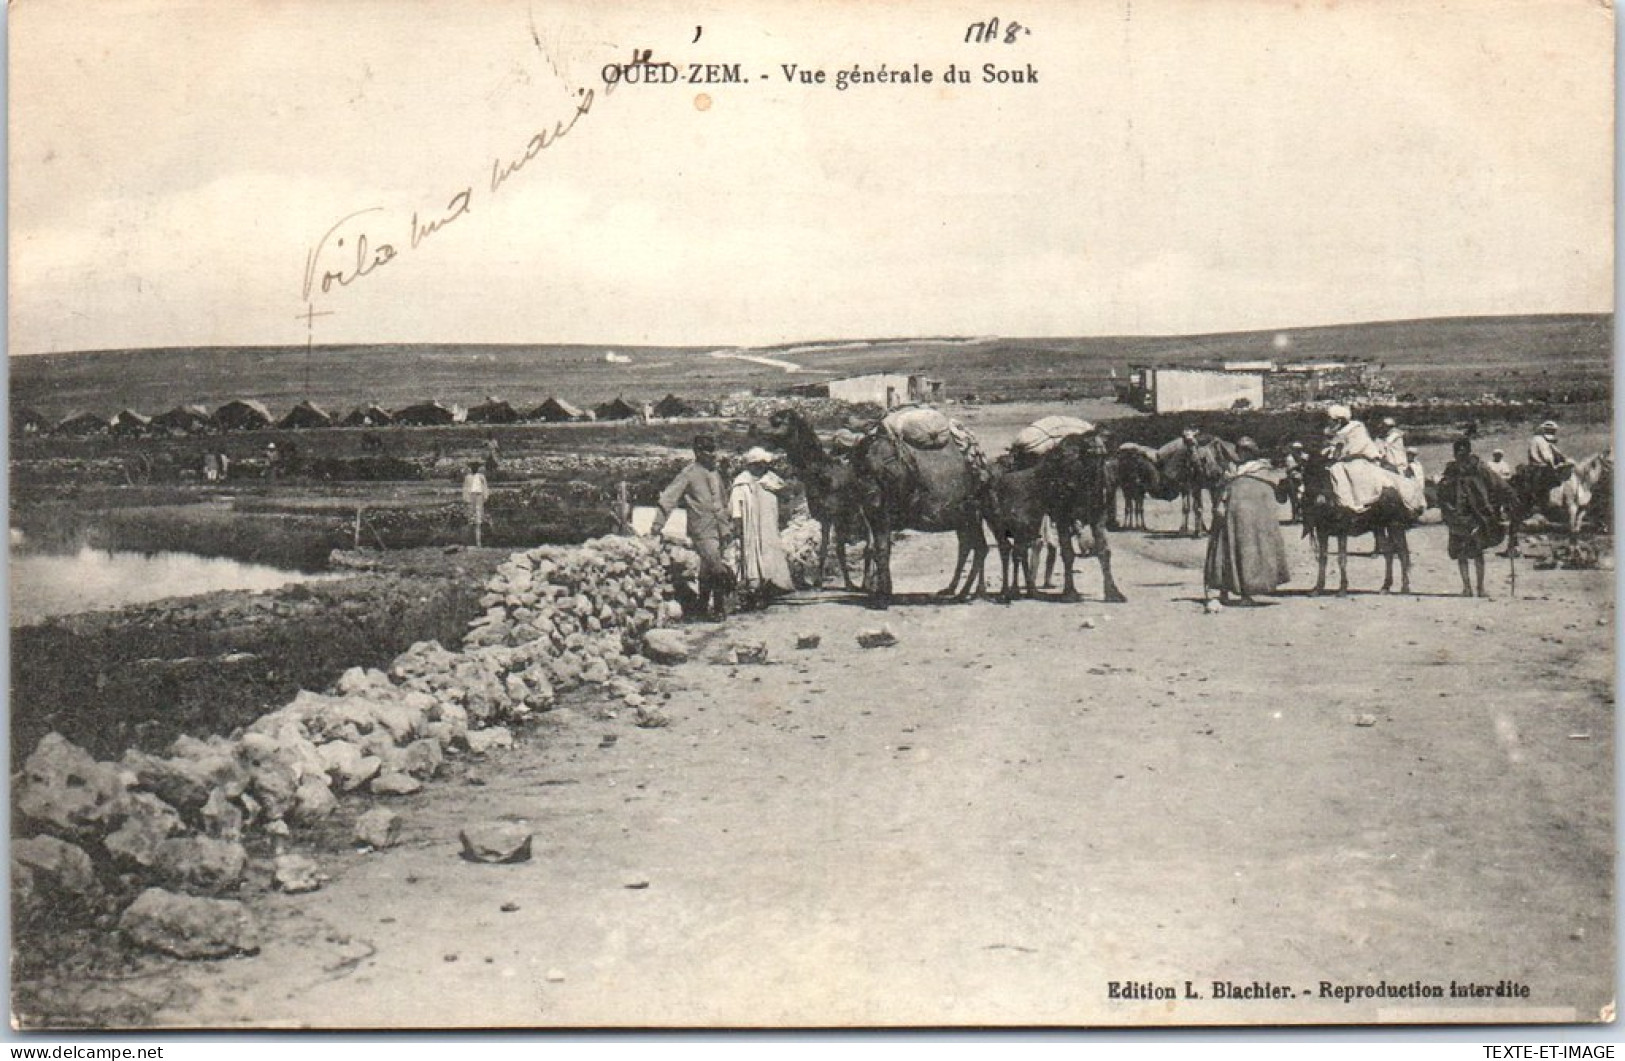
[{"x": 45, "y": 585}]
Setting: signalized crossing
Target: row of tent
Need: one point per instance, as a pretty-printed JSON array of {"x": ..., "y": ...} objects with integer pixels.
[{"x": 248, "y": 415}]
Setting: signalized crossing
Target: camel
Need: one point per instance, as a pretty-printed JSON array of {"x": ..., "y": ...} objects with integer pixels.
[
  {"x": 903, "y": 487},
  {"x": 1016, "y": 514},
  {"x": 1133, "y": 469},
  {"x": 1324, "y": 518},
  {"x": 1567, "y": 502},
  {"x": 832, "y": 497},
  {"x": 1189, "y": 471},
  {"x": 1068, "y": 484}
]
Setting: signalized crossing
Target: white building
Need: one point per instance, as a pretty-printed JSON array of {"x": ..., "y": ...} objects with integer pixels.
[{"x": 886, "y": 389}]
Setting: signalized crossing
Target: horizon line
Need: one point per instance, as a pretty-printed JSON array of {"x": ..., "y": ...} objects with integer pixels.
[{"x": 830, "y": 340}]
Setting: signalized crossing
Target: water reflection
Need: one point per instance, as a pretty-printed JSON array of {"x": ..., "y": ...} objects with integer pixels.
[{"x": 93, "y": 579}]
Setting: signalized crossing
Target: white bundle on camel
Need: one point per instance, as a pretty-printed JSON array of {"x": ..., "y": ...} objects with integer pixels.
[
  {"x": 1358, "y": 484},
  {"x": 920, "y": 426},
  {"x": 923, "y": 427},
  {"x": 1041, "y": 436}
]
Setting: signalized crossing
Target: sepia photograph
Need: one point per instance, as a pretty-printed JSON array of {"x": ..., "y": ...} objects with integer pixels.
[{"x": 537, "y": 514}]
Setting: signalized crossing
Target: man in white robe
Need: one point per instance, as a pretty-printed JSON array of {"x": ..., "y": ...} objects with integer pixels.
[{"x": 764, "y": 570}]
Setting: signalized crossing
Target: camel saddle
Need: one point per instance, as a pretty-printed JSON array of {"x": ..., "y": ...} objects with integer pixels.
[
  {"x": 925, "y": 428},
  {"x": 1041, "y": 436},
  {"x": 920, "y": 426}
]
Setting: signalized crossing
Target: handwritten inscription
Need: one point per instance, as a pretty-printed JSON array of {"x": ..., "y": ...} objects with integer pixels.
[
  {"x": 355, "y": 246},
  {"x": 988, "y": 32}
]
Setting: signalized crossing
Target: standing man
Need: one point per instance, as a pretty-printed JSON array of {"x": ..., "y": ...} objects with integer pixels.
[
  {"x": 1498, "y": 464},
  {"x": 764, "y": 570},
  {"x": 1470, "y": 499},
  {"x": 475, "y": 491},
  {"x": 1245, "y": 552},
  {"x": 699, "y": 489},
  {"x": 1297, "y": 458}
]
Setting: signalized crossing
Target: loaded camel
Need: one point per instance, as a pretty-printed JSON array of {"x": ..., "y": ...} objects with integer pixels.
[
  {"x": 832, "y": 495},
  {"x": 1069, "y": 485},
  {"x": 905, "y": 487},
  {"x": 1325, "y": 518}
]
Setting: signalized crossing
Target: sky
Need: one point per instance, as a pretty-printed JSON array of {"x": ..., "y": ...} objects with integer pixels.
[{"x": 1179, "y": 166}]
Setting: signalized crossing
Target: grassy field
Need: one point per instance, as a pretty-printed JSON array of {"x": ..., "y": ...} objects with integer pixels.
[{"x": 1457, "y": 357}]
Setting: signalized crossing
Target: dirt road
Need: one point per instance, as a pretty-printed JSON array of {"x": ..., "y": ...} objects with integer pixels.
[{"x": 1008, "y": 812}]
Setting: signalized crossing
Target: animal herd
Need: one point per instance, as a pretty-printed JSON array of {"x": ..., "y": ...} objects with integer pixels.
[{"x": 882, "y": 485}]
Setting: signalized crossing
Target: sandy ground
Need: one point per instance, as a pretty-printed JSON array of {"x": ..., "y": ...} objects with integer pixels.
[{"x": 1004, "y": 814}]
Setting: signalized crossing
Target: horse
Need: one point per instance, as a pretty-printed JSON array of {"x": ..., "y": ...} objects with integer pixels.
[
  {"x": 1567, "y": 502},
  {"x": 1324, "y": 518}
]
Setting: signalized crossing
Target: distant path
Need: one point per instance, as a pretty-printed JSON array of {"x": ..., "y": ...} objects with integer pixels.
[{"x": 771, "y": 362}]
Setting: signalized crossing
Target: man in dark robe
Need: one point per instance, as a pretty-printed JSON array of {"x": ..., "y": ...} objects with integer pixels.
[
  {"x": 1471, "y": 499},
  {"x": 1245, "y": 552}
]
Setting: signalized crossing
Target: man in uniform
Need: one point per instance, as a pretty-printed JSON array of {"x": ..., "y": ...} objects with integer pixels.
[{"x": 699, "y": 489}]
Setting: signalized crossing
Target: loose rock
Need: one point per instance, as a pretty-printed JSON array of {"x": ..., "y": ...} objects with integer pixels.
[
  {"x": 200, "y": 863},
  {"x": 57, "y": 867},
  {"x": 880, "y": 637},
  {"x": 64, "y": 788},
  {"x": 296, "y": 873},
  {"x": 378, "y": 828},
  {"x": 395, "y": 784},
  {"x": 482, "y": 741},
  {"x": 665, "y": 646},
  {"x": 496, "y": 842},
  {"x": 187, "y": 927},
  {"x": 753, "y": 652}
]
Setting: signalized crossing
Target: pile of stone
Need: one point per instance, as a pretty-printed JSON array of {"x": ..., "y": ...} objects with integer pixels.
[{"x": 556, "y": 618}]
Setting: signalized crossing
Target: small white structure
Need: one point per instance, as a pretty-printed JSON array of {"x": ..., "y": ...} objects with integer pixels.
[
  {"x": 1178, "y": 390},
  {"x": 886, "y": 389}
]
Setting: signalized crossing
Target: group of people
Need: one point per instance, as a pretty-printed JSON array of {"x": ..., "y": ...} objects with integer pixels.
[
  {"x": 1247, "y": 555},
  {"x": 734, "y": 528}
]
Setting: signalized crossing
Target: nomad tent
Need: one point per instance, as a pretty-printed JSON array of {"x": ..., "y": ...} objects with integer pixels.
[
  {"x": 305, "y": 415},
  {"x": 129, "y": 423},
  {"x": 556, "y": 411},
  {"x": 618, "y": 409},
  {"x": 243, "y": 414},
  {"x": 26, "y": 422},
  {"x": 672, "y": 406},
  {"x": 83, "y": 425},
  {"x": 369, "y": 416},
  {"x": 492, "y": 411},
  {"x": 425, "y": 414},
  {"x": 184, "y": 420}
]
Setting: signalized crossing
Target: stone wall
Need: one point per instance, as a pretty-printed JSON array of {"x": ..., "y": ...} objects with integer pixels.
[{"x": 92, "y": 833}]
